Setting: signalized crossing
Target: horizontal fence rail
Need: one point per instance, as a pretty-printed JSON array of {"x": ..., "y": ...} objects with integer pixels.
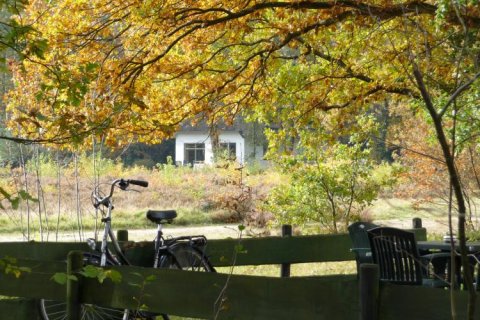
[
  {"x": 197, "y": 294},
  {"x": 250, "y": 251},
  {"x": 416, "y": 302},
  {"x": 221, "y": 252},
  {"x": 278, "y": 250}
]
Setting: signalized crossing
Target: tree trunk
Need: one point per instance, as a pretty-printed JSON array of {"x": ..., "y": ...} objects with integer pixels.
[{"x": 457, "y": 189}]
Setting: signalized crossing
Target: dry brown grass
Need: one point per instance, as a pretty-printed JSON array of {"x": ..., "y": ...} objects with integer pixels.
[{"x": 201, "y": 196}]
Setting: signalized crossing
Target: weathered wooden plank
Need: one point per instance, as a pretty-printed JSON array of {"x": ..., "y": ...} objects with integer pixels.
[
  {"x": 278, "y": 250},
  {"x": 194, "y": 294},
  {"x": 43, "y": 251},
  {"x": 37, "y": 283},
  {"x": 268, "y": 250},
  {"x": 74, "y": 266},
  {"x": 420, "y": 234},
  {"x": 258, "y": 251},
  {"x": 253, "y": 251},
  {"x": 369, "y": 279},
  {"x": 416, "y": 302},
  {"x": 18, "y": 309}
]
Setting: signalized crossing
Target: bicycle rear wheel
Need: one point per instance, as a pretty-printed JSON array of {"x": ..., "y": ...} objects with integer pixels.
[
  {"x": 53, "y": 310},
  {"x": 184, "y": 256}
]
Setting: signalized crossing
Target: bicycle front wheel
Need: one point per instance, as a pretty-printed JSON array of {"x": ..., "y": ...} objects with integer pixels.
[{"x": 53, "y": 310}]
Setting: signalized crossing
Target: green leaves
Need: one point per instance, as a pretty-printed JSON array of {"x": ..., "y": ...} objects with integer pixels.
[
  {"x": 141, "y": 284},
  {"x": 14, "y": 201},
  {"x": 239, "y": 248},
  {"x": 18, "y": 36},
  {"x": 9, "y": 265},
  {"x": 91, "y": 271},
  {"x": 145, "y": 280},
  {"x": 72, "y": 84},
  {"x": 62, "y": 278}
]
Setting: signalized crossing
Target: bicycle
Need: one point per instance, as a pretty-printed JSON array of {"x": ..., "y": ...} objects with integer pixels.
[{"x": 185, "y": 252}]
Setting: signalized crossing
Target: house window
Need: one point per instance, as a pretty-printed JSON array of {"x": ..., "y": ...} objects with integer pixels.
[
  {"x": 229, "y": 149},
  {"x": 194, "y": 153}
]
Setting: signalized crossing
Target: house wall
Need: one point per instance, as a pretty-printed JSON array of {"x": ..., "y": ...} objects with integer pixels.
[
  {"x": 234, "y": 137},
  {"x": 203, "y": 137},
  {"x": 192, "y": 137}
]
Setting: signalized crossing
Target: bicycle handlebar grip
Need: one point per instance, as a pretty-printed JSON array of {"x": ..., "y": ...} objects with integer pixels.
[{"x": 139, "y": 183}]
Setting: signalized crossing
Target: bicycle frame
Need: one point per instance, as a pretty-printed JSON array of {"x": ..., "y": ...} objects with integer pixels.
[
  {"x": 105, "y": 254},
  {"x": 159, "y": 244},
  {"x": 162, "y": 246}
]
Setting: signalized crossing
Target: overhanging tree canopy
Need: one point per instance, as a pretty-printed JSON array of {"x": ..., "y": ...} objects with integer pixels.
[{"x": 139, "y": 68}]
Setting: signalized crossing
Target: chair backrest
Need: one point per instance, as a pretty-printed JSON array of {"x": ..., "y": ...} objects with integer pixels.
[
  {"x": 395, "y": 252},
  {"x": 360, "y": 243}
]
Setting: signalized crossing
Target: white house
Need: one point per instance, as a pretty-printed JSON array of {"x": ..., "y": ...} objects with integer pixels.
[{"x": 194, "y": 146}]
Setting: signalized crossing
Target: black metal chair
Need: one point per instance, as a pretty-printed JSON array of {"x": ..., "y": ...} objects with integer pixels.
[
  {"x": 395, "y": 251},
  {"x": 360, "y": 243}
]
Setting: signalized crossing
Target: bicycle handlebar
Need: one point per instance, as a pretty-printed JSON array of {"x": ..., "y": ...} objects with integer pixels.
[
  {"x": 140, "y": 183},
  {"x": 122, "y": 184}
]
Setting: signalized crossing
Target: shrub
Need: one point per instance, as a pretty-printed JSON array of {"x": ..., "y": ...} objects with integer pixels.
[{"x": 331, "y": 187}]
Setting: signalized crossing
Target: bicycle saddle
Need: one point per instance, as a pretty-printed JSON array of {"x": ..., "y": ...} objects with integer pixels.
[{"x": 161, "y": 216}]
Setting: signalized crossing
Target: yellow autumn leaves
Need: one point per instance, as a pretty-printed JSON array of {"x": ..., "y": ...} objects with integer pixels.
[{"x": 126, "y": 70}]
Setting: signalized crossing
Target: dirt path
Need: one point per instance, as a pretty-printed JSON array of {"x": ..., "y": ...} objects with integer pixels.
[
  {"x": 438, "y": 226},
  {"x": 211, "y": 232}
]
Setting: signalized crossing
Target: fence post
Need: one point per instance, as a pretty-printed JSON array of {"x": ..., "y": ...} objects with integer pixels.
[
  {"x": 74, "y": 265},
  {"x": 416, "y": 223},
  {"x": 285, "y": 268},
  {"x": 122, "y": 235},
  {"x": 369, "y": 282}
]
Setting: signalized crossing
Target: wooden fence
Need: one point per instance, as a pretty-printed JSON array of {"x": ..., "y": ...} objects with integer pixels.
[{"x": 206, "y": 295}]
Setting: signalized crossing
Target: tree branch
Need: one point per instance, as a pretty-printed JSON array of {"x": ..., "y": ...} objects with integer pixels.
[
  {"x": 425, "y": 95},
  {"x": 458, "y": 92}
]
